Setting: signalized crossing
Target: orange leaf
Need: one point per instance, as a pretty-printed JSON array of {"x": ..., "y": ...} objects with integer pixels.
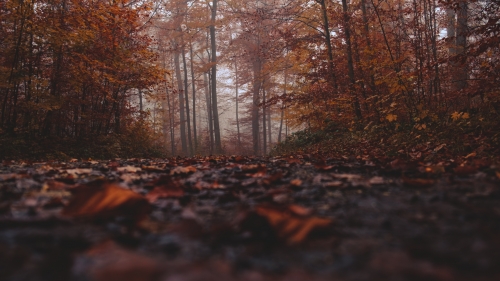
[
  {"x": 288, "y": 224},
  {"x": 164, "y": 192},
  {"x": 105, "y": 201}
]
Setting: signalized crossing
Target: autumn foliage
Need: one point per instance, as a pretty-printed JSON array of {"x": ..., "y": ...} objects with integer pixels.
[{"x": 69, "y": 69}]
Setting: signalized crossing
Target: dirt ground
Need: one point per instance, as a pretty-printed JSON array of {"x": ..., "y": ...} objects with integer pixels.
[{"x": 242, "y": 218}]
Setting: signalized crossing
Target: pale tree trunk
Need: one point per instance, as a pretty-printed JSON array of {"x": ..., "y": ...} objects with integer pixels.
[
  {"x": 167, "y": 114},
  {"x": 218, "y": 145},
  {"x": 237, "y": 103},
  {"x": 193, "y": 81},
  {"x": 210, "y": 124},
  {"x": 181, "y": 102},
  {"x": 282, "y": 106},
  {"x": 186, "y": 97}
]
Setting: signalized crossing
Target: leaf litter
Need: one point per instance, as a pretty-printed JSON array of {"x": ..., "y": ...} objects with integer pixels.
[{"x": 246, "y": 218}]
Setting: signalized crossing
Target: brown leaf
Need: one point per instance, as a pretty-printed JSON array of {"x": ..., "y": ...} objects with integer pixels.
[
  {"x": 288, "y": 224},
  {"x": 105, "y": 201},
  {"x": 182, "y": 170},
  {"x": 470, "y": 155},
  {"x": 418, "y": 182},
  {"x": 166, "y": 191}
]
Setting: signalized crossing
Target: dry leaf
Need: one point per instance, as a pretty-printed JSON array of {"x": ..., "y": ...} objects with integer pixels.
[
  {"x": 376, "y": 181},
  {"x": 418, "y": 182},
  {"x": 288, "y": 224},
  {"x": 105, "y": 201},
  {"x": 182, "y": 170},
  {"x": 296, "y": 182},
  {"x": 165, "y": 191},
  {"x": 473, "y": 154}
]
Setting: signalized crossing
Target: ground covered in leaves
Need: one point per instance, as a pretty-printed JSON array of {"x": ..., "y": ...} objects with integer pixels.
[{"x": 241, "y": 218}]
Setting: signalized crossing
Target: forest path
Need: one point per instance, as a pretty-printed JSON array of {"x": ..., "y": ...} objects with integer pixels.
[{"x": 243, "y": 218}]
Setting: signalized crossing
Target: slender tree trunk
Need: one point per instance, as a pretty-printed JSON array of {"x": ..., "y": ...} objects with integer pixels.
[
  {"x": 181, "y": 102},
  {"x": 264, "y": 131},
  {"x": 210, "y": 124},
  {"x": 193, "y": 84},
  {"x": 269, "y": 127},
  {"x": 461, "y": 42},
  {"x": 350, "y": 64},
  {"x": 218, "y": 145},
  {"x": 237, "y": 104},
  {"x": 140, "y": 101},
  {"x": 328, "y": 41},
  {"x": 186, "y": 97},
  {"x": 255, "y": 104}
]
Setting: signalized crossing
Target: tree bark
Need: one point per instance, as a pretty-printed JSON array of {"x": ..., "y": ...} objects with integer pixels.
[
  {"x": 186, "y": 97},
  {"x": 326, "y": 28},
  {"x": 181, "y": 102},
  {"x": 218, "y": 145},
  {"x": 193, "y": 82},
  {"x": 264, "y": 131},
  {"x": 255, "y": 104},
  {"x": 210, "y": 124},
  {"x": 350, "y": 64},
  {"x": 237, "y": 103}
]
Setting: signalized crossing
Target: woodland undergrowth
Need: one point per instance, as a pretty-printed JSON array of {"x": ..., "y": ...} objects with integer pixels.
[{"x": 476, "y": 136}]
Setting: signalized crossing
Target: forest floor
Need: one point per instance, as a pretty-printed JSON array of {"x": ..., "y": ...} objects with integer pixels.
[{"x": 243, "y": 218}]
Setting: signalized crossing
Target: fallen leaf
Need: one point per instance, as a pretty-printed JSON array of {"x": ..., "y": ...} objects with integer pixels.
[
  {"x": 470, "y": 155},
  {"x": 296, "y": 182},
  {"x": 288, "y": 224},
  {"x": 418, "y": 182},
  {"x": 498, "y": 175},
  {"x": 105, "y": 201},
  {"x": 391, "y": 117},
  {"x": 166, "y": 191},
  {"x": 128, "y": 169},
  {"x": 182, "y": 170},
  {"x": 376, "y": 181}
]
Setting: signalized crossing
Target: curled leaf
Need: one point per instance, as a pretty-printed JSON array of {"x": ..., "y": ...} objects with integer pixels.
[
  {"x": 105, "y": 201},
  {"x": 291, "y": 223}
]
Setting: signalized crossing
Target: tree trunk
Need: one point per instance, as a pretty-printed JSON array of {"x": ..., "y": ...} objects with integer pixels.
[
  {"x": 218, "y": 145},
  {"x": 237, "y": 104},
  {"x": 461, "y": 42},
  {"x": 255, "y": 104},
  {"x": 350, "y": 64},
  {"x": 264, "y": 131},
  {"x": 181, "y": 102},
  {"x": 193, "y": 82},
  {"x": 326, "y": 27},
  {"x": 210, "y": 124},
  {"x": 186, "y": 97}
]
